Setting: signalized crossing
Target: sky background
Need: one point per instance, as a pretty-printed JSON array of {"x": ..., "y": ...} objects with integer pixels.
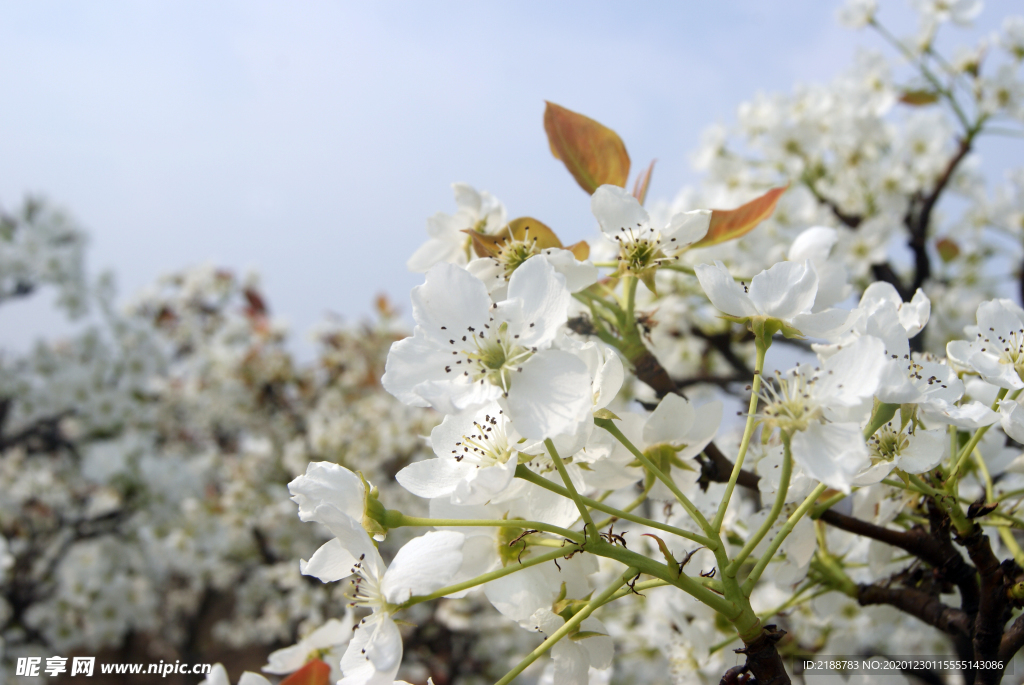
[{"x": 310, "y": 141}]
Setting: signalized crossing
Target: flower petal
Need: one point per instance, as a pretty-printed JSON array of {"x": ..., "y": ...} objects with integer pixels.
[
  {"x": 723, "y": 291},
  {"x": 615, "y": 209},
  {"x": 422, "y": 565},
  {"x": 550, "y": 396},
  {"x": 784, "y": 290}
]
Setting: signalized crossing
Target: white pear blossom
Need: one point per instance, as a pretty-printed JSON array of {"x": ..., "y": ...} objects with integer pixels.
[
  {"x": 327, "y": 639},
  {"x": 901, "y": 444},
  {"x": 478, "y": 211},
  {"x": 821, "y": 409},
  {"x": 997, "y": 352},
  {"x": 641, "y": 246},
  {"x": 477, "y": 453},
  {"x": 423, "y": 565},
  {"x": 785, "y": 292},
  {"x": 467, "y": 352}
]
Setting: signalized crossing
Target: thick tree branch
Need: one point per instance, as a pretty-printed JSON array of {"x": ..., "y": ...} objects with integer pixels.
[{"x": 922, "y": 605}]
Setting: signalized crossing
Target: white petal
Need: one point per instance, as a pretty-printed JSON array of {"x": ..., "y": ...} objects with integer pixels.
[
  {"x": 250, "y": 678},
  {"x": 829, "y": 324},
  {"x": 1011, "y": 415},
  {"x": 520, "y": 594},
  {"x": 433, "y": 477},
  {"x": 670, "y": 422},
  {"x": 422, "y": 565},
  {"x": 483, "y": 484},
  {"x": 330, "y": 634},
  {"x": 686, "y": 228},
  {"x": 572, "y": 663},
  {"x": 451, "y": 300},
  {"x": 784, "y": 290},
  {"x": 615, "y": 209},
  {"x": 832, "y": 453},
  {"x": 914, "y": 314},
  {"x": 995, "y": 371},
  {"x": 374, "y": 654},
  {"x": 327, "y": 482},
  {"x": 814, "y": 244},
  {"x": 545, "y": 301},
  {"x": 351, "y": 535},
  {"x": 457, "y": 395},
  {"x": 852, "y": 373},
  {"x": 490, "y": 272},
  {"x": 578, "y": 275},
  {"x": 926, "y": 449},
  {"x": 330, "y": 563},
  {"x": 707, "y": 418},
  {"x": 970, "y": 415},
  {"x": 724, "y": 292},
  {"x": 467, "y": 198},
  {"x": 411, "y": 362},
  {"x": 550, "y": 396},
  {"x": 432, "y": 252}
]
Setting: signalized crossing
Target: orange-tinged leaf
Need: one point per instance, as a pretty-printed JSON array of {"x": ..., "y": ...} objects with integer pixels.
[
  {"x": 580, "y": 250},
  {"x": 948, "y": 249},
  {"x": 729, "y": 224},
  {"x": 593, "y": 153},
  {"x": 643, "y": 181},
  {"x": 919, "y": 98},
  {"x": 315, "y": 672},
  {"x": 526, "y": 227},
  {"x": 486, "y": 245}
]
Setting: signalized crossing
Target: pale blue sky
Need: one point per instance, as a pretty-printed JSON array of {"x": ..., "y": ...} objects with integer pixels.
[{"x": 311, "y": 140}]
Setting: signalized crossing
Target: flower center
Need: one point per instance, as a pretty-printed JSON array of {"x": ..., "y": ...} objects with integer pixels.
[
  {"x": 640, "y": 248},
  {"x": 789, "y": 407},
  {"x": 365, "y": 590},
  {"x": 488, "y": 446},
  {"x": 495, "y": 358},
  {"x": 513, "y": 253},
  {"x": 888, "y": 442},
  {"x": 1009, "y": 349}
]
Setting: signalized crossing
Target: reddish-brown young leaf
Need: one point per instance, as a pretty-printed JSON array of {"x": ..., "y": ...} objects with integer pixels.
[
  {"x": 643, "y": 182},
  {"x": 948, "y": 249},
  {"x": 919, "y": 98},
  {"x": 315, "y": 672},
  {"x": 593, "y": 153},
  {"x": 729, "y": 224}
]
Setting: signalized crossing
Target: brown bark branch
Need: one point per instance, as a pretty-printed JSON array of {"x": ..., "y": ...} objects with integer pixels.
[{"x": 921, "y": 605}]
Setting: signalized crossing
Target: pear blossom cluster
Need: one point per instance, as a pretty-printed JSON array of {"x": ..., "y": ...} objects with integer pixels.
[{"x": 781, "y": 415}]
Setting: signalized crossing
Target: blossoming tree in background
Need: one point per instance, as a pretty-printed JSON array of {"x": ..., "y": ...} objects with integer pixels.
[{"x": 586, "y": 493}]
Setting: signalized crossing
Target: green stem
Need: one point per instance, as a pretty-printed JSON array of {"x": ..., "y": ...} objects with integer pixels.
[
  {"x": 486, "y": 577},
  {"x": 589, "y": 522},
  {"x": 780, "y": 501},
  {"x": 748, "y": 432},
  {"x": 1004, "y": 532},
  {"x": 694, "y": 513},
  {"x": 603, "y": 598},
  {"x": 965, "y": 453},
  {"x": 777, "y": 541},
  {"x": 630, "y": 322},
  {"x": 540, "y": 481},
  {"x": 487, "y": 523},
  {"x": 962, "y": 524},
  {"x": 827, "y": 504}
]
